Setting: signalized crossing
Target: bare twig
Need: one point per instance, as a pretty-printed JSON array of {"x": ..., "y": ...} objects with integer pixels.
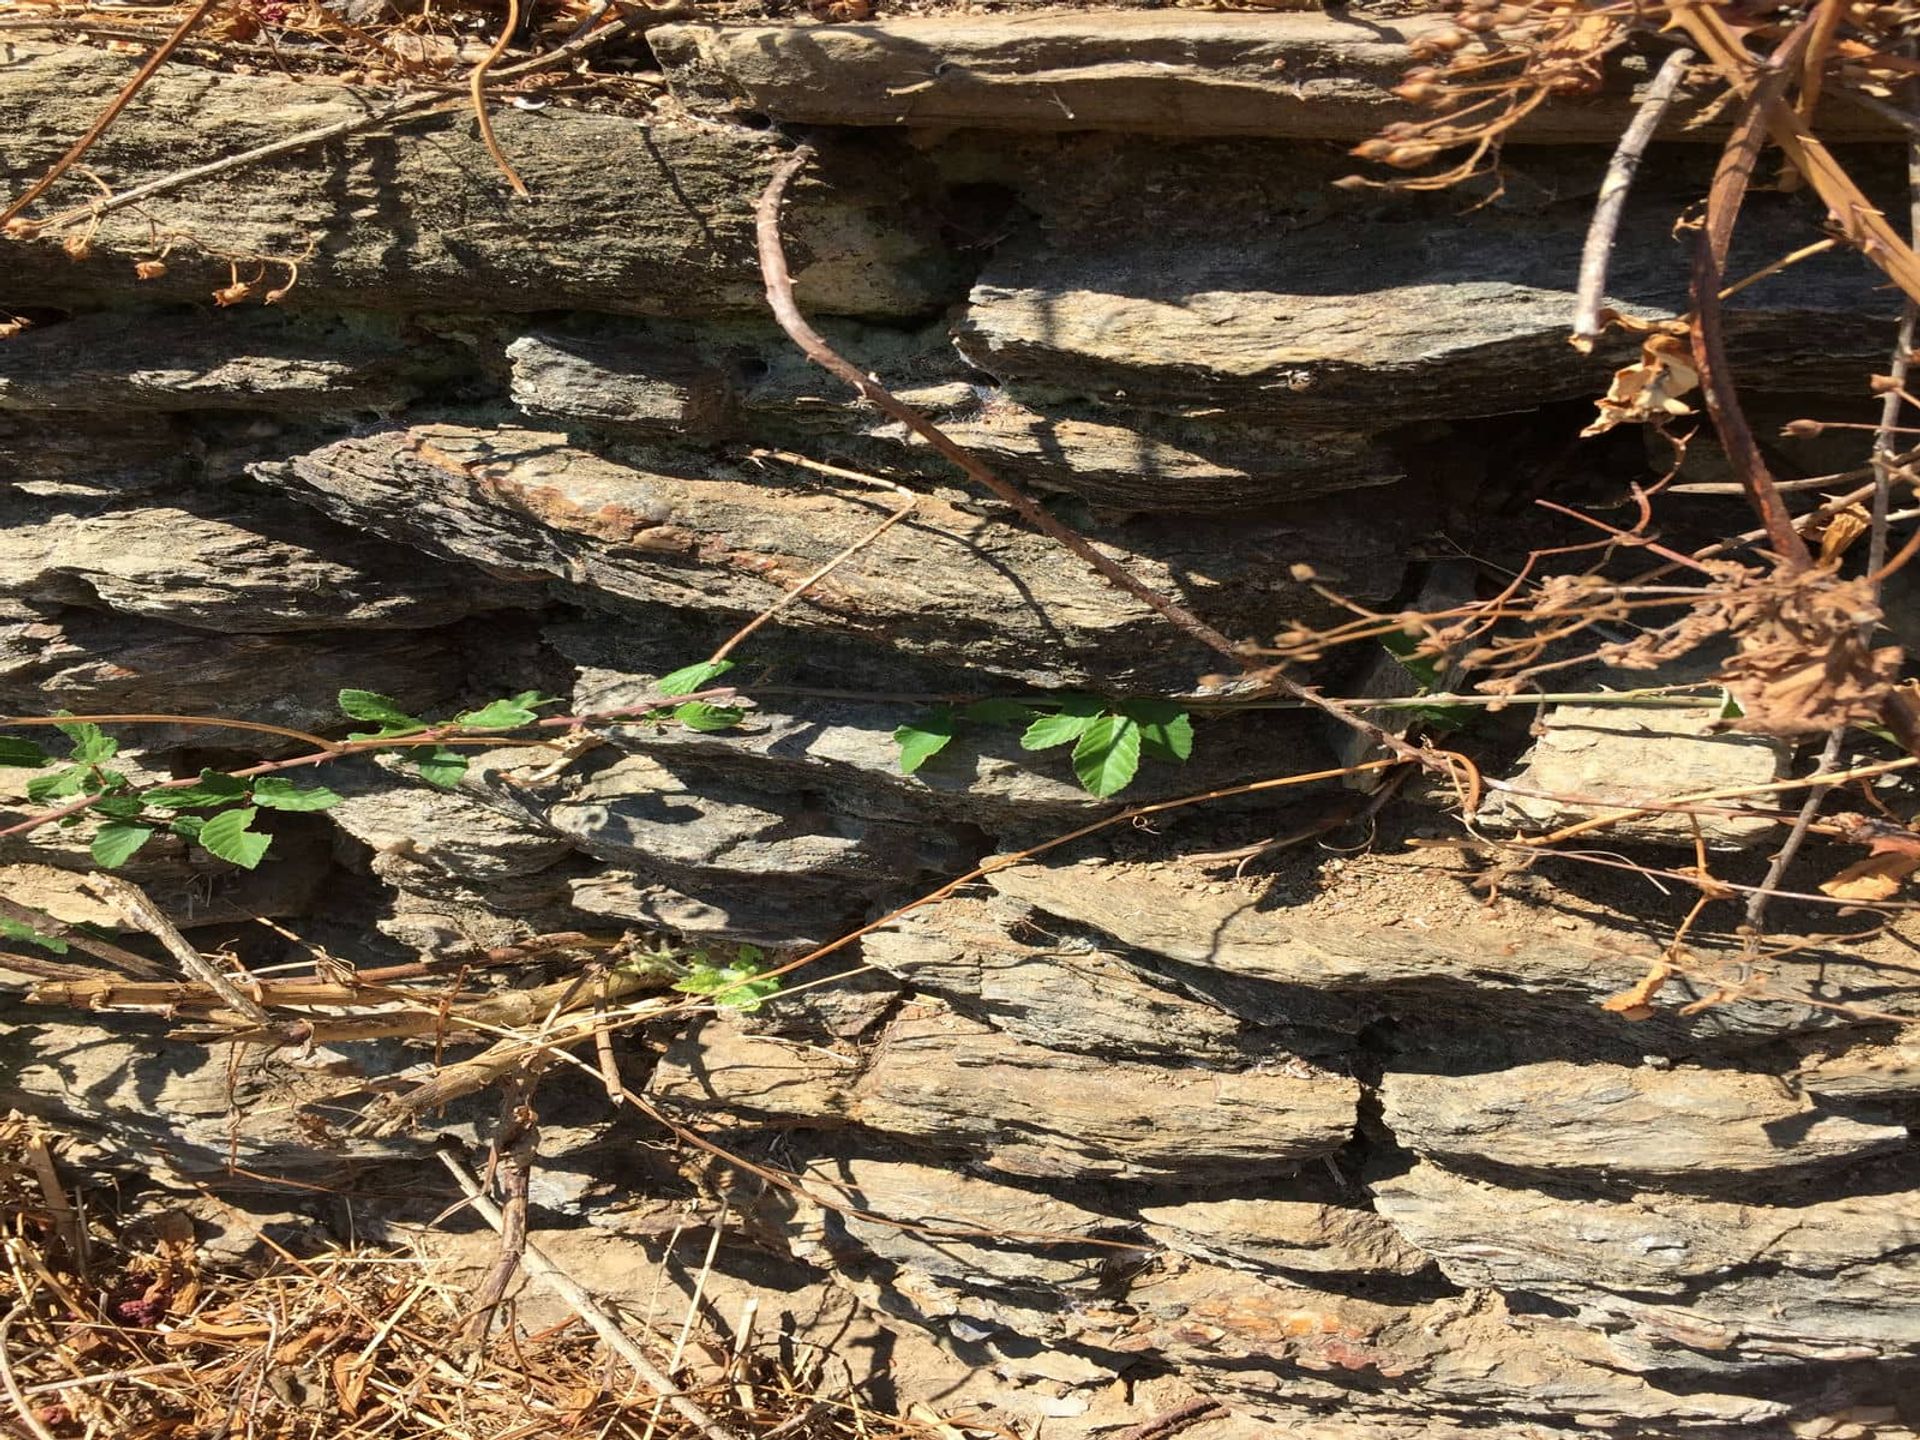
[
  {"x": 107, "y": 116},
  {"x": 540, "y": 1265},
  {"x": 1756, "y": 912},
  {"x": 135, "y": 905},
  {"x": 1179, "y": 1418},
  {"x": 1730, "y": 182},
  {"x": 779, "y": 282},
  {"x": 477, "y": 85},
  {"x": 58, "y": 929},
  {"x": 1601, "y": 230}
]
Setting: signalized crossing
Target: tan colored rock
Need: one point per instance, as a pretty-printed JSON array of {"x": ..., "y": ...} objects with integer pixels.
[
  {"x": 1696, "y": 1127},
  {"x": 1167, "y": 72},
  {"x": 1280, "y": 1234},
  {"x": 627, "y": 217},
  {"x": 1028, "y": 1110},
  {"x": 719, "y": 1067},
  {"x": 1836, "y": 1279},
  {"x": 1595, "y": 758}
]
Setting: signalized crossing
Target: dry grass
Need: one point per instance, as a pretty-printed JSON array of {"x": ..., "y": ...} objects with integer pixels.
[{"x": 117, "y": 1331}]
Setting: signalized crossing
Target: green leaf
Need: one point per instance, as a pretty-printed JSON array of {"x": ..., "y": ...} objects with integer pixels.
[
  {"x": 116, "y": 842},
  {"x": 382, "y": 710},
  {"x": 509, "y": 714},
  {"x": 698, "y": 715},
  {"x": 187, "y": 827},
  {"x": 735, "y": 986},
  {"x": 923, "y": 737},
  {"x": 277, "y": 793},
  {"x": 21, "y": 754},
  {"x": 42, "y": 788},
  {"x": 119, "y": 807},
  {"x": 998, "y": 712},
  {"x": 1108, "y": 755},
  {"x": 1166, "y": 731},
  {"x": 228, "y": 835},
  {"x": 1069, "y": 723},
  {"x": 689, "y": 678},
  {"x": 16, "y": 930},
  {"x": 1427, "y": 669},
  {"x": 91, "y": 744},
  {"x": 440, "y": 766},
  {"x": 213, "y": 791},
  {"x": 1730, "y": 708}
]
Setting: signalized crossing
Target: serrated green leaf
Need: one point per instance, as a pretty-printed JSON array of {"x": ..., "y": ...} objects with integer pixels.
[
  {"x": 1427, "y": 669},
  {"x": 1107, "y": 755},
  {"x": 17, "y": 930},
  {"x": 91, "y": 744},
  {"x": 737, "y": 986},
  {"x": 1166, "y": 731},
  {"x": 275, "y": 792},
  {"x": 508, "y": 714},
  {"x": 187, "y": 827},
  {"x": 68, "y": 781},
  {"x": 440, "y": 766},
  {"x": 998, "y": 712},
  {"x": 699, "y": 715},
  {"x": 382, "y": 710},
  {"x": 689, "y": 678},
  {"x": 229, "y": 836},
  {"x": 923, "y": 737},
  {"x": 21, "y": 754},
  {"x": 116, "y": 842},
  {"x": 212, "y": 791},
  {"x": 119, "y": 807},
  {"x": 1068, "y": 723}
]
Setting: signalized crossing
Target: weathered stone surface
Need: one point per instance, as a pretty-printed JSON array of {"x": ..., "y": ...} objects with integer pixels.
[
  {"x": 1314, "y": 75},
  {"x": 951, "y": 585},
  {"x": 627, "y": 216},
  {"x": 445, "y": 830},
  {"x": 1307, "y": 1236},
  {"x": 962, "y": 1229},
  {"x": 232, "y": 360},
  {"x": 1278, "y": 301},
  {"x": 1282, "y": 966},
  {"x": 89, "y": 662},
  {"x": 677, "y": 384},
  {"x": 1064, "y": 995},
  {"x": 1870, "y": 1073},
  {"x": 718, "y": 1066},
  {"x": 845, "y": 749},
  {"x": 1022, "y": 1109},
  {"x": 1029, "y": 1110},
  {"x": 228, "y": 565},
  {"x": 1834, "y": 1279},
  {"x": 1592, "y": 758},
  {"x": 698, "y": 822},
  {"x": 743, "y": 913},
  {"x": 52, "y": 456},
  {"x": 1685, "y": 1127}
]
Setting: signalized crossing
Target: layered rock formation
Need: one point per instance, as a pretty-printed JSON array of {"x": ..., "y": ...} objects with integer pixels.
[{"x": 1353, "y": 1151}]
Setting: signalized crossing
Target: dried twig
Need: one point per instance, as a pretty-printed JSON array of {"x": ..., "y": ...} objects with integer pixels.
[
  {"x": 135, "y": 905},
  {"x": 1601, "y": 230},
  {"x": 1178, "y": 1418},
  {"x": 540, "y": 1265},
  {"x": 477, "y": 86}
]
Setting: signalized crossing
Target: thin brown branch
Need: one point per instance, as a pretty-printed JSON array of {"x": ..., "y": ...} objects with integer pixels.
[
  {"x": 779, "y": 283},
  {"x": 134, "y": 904},
  {"x": 1605, "y": 225},
  {"x": 1731, "y": 180},
  {"x": 107, "y": 116},
  {"x": 1756, "y": 913},
  {"x": 58, "y": 929},
  {"x": 477, "y": 85}
]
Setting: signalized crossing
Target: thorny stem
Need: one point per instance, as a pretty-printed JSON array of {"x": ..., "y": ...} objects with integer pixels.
[
  {"x": 112, "y": 112},
  {"x": 1605, "y": 225}
]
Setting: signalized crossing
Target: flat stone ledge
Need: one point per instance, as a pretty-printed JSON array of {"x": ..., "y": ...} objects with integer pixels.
[{"x": 1300, "y": 73}]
